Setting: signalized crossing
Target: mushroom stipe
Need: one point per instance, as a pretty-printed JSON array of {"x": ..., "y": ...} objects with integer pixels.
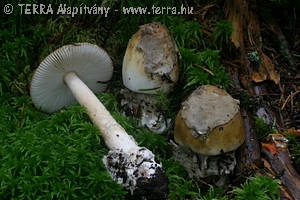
[
  {"x": 65, "y": 76},
  {"x": 150, "y": 67}
]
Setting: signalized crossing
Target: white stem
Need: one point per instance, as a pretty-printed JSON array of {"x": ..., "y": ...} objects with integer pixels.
[{"x": 113, "y": 133}]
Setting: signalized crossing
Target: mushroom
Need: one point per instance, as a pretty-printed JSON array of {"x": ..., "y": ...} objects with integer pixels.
[
  {"x": 150, "y": 65},
  {"x": 209, "y": 125},
  {"x": 66, "y": 75},
  {"x": 151, "y": 62}
]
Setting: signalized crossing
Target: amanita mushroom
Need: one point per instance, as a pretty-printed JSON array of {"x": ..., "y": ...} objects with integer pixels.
[
  {"x": 66, "y": 75},
  {"x": 150, "y": 65},
  {"x": 151, "y": 62},
  {"x": 209, "y": 124}
]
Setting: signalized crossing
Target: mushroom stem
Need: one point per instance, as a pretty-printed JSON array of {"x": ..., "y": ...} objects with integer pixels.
[
  {"x": 127, "y": 163},
  {"x": 113, "y": 133},
  {"x": 57, "y": 83}
]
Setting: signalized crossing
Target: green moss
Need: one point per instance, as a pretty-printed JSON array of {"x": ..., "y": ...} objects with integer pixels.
[
  {"x": 208, "y": 59},
  {"x": 262, "y": 130},
  {"x": 59, "y": 156},
  {"x": 294, "y": 147},
  {"x": 214, "y": 194},
  {"x": 221, "y": 34},
  {"x": 53, "y": 157},
  {"x": 259, "y": 187}
]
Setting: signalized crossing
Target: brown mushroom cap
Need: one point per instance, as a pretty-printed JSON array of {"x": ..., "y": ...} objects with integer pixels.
[{"x": 210, "y": 122}]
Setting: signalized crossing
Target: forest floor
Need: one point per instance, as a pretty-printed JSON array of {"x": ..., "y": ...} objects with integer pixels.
[{"x": 249, "y": 48}]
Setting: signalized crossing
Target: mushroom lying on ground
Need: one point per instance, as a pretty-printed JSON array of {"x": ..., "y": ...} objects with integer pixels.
[
  {"x": 208, "y": 128},
  {"x": 150, "y": 65},
  {"x": 66, "y": 75}
]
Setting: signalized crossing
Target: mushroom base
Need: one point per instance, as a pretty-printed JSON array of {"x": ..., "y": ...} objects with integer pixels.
[
  {"x": 202, "y": 166},
  {"x": 138, "y": 172},
  {"x": 143, "y": 108}
]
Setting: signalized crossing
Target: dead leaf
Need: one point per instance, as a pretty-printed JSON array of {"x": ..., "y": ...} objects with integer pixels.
[
  {"x": 271, "y": 147},
  {"x": 266, "y": 71},
  {"x": 286, "y": 193},
  {"x": 256, "y": 77},
  {"x": 253, "y": 166},
  {"x": 292, "y": 131}
]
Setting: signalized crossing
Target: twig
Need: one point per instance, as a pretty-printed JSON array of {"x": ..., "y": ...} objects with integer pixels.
[
  {"x": 206, "y": 32},
  {"x": 270, "y": 94},
  {"x": 282, "y": 93},
  {"x": 21, "y": 116},
  {"x": 207, "y": 70},
  {"x": 232, "y": 64},
  {"x": 203, "y": 182},
  {"x": 291, "y": 96},
  {"x": 281, "y": 118}
]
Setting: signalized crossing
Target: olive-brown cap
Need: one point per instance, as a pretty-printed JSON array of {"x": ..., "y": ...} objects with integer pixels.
[{"x": 210, "y": 122}]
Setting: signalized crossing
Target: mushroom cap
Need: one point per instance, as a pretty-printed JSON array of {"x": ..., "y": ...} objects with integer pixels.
[
  {"x": 209, "y": 122},
  {"x": 90, "y": 63},
  {"x": 151, "y": 61}
]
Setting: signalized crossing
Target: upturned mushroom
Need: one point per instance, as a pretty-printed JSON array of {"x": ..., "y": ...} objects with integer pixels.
[
  {"x": 150, "y": 65},
  {"x": 209, "y": 125},
  {"x": 66, "y": 76}
]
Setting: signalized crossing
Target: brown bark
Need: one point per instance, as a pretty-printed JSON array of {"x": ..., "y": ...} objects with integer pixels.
[
  {"x": 247, "y": 37},
  {"x": 250, "y": 150},
  {"x": 282, "y": 166}
]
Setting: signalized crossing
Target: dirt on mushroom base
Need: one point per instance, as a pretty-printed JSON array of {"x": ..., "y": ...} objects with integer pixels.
[
  {"x": 139, "y": 172},
  {"x": 213, "y": 169},
  {"x": 143, "y": 107}
]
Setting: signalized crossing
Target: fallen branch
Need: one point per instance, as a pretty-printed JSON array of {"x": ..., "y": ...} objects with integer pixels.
[
  {"x": 282, "y": 166},
  {"x": 290, "y": 97},
  {"x": 250, "y": 150}
]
